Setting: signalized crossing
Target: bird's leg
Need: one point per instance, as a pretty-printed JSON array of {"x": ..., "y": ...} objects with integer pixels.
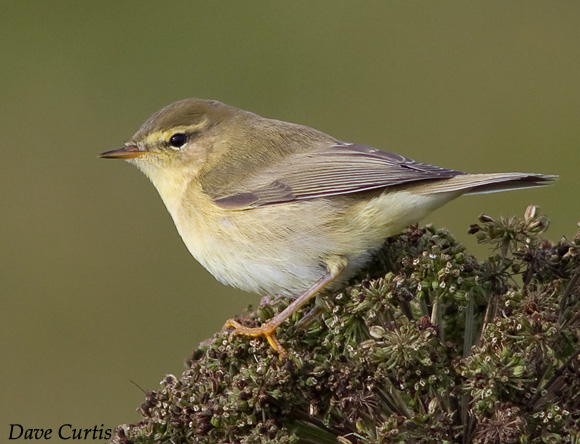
[{"x": 335, "y": 268}]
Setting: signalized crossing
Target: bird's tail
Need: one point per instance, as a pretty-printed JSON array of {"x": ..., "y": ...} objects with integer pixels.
[{"x": 487, "y": 183}]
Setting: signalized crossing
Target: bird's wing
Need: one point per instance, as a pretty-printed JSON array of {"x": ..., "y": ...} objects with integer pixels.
[{"x": 335, "y": 170}]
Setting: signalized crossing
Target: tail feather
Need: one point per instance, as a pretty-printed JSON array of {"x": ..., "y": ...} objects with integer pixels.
[{"x": 488, "y": 183}]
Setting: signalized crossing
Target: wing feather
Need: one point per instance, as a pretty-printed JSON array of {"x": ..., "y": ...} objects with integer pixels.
[{"x": 333, "y": 170}]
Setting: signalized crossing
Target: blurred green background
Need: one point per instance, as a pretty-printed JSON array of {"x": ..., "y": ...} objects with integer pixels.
[{"x": 97, "y": 289}]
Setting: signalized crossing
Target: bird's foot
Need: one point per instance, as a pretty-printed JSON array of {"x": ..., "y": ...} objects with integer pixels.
[{"x": 267, "y": 330}]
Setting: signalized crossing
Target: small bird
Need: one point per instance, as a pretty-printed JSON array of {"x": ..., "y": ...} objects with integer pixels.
[{"x": 273, "y": 207}]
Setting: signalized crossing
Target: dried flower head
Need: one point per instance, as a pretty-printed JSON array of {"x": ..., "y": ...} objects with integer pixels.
[{"x": 429, "y": 345}]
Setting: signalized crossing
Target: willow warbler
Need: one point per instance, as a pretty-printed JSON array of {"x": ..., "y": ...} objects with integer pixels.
[{"x": 278, "y": 208}]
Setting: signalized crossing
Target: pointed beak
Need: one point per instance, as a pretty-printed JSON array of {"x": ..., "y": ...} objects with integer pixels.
[{"x": 127, "y": 152}]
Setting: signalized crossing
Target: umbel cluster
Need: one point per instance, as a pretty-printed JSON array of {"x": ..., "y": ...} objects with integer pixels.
[{"x": 428, "y": 345}]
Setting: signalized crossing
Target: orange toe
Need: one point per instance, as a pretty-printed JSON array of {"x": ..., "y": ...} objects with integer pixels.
[{"x": 267, "y": 330}]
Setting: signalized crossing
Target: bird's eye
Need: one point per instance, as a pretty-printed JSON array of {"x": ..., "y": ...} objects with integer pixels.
[{"x": 178, "y": 140}]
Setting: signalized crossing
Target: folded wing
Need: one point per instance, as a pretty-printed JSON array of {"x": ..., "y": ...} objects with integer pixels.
[{"x": 334, "y": 170}]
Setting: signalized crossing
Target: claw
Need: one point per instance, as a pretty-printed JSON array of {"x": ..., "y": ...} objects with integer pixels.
[{"x": 267, "y": 330}]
